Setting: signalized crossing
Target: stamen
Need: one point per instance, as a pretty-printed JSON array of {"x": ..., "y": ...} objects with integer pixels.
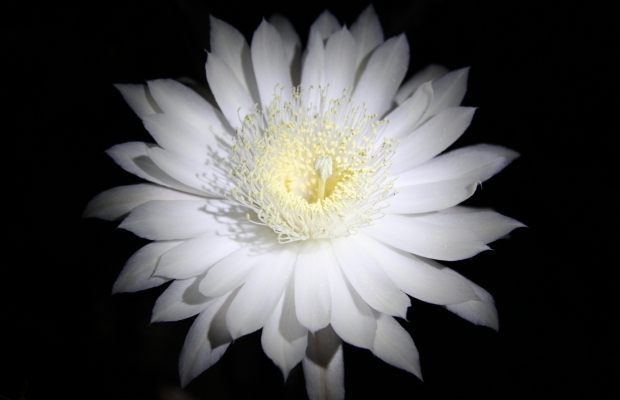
[
  {"x": 308, "y": 174},
  {"x": 323, "y": 169}
]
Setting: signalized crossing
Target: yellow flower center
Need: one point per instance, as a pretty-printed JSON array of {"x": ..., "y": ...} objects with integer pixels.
[{"x": 311, "y": 176}]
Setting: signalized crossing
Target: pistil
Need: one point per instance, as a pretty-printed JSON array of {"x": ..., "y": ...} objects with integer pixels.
[{"x": 323, "y": 169}]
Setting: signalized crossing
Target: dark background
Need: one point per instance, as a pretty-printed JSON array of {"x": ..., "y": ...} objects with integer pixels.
[{"x": 536, "y": 78}]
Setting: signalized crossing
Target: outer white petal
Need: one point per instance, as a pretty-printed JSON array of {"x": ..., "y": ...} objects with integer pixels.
[
  {"x": 186, "y": 105},
  {"x": 198, "y": 144},
  {"x": 426, "y": 239},
  {"x": 233, "y": 98},
  {"x": 394, "y": 345},
  {"x": 206, "y": 341},
  {"x": 271, "y": 67},
  {"x": 340, "y": 62},
  {"x": 312, "y": 295},
  {"x": 431, "y": 138},
  {"x": 232, "y": 271},
  {"x": 133, "y": 157},
  {"x": 137, "y": 274},
  {"x": 487, "y": 225},
  {"x": 139, "y": 99},
  {"x": 180, "y": 300},
  {"x": 412, "y": 84},
  {"x": 479, "y": 312},
  {"x": 368, "y": 279},
  {"x": 169, "y": 220},
  {"x": 292, "y": 45},
  {"x": 284, "y": 339},
  {"x": 313, "y": 73},
  {"x": 325, "y": 25},
  {"x": 196, "y": 256},
  {"x": 384, "y": 72},
  {"x": 230, "y": 46},
  {"x": 405, "y": 118},
  {"x": 260, "y": 294},
  {"x": 117, "y": 202},
  {"x": 418, "y": 278},
  {"x": 433, "y": 196},
  {"x": 324, "y": 366},
  {"x": 351, "y": 317},
  {"x": 368, "y": 35},
  {"x": 449, "y": 91},
  {"x": 209, "y": 178},
  {"x": 476, "y": 163}
]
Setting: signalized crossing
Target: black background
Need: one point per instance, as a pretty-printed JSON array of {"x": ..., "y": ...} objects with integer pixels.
[{"x": 536, "y": 80}]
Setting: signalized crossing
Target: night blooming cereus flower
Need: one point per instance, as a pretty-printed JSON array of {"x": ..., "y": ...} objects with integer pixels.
[{"x": 309, "y": 202}]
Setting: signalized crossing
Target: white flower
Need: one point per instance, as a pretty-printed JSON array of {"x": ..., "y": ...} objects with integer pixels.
[{"x": 309, "y": 202}]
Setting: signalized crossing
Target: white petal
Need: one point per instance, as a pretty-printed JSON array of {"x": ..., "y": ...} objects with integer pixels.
[
  {"x": 479, "y": 312},
  {"x": 188, "y": 106},
  {"x": 431, "y": 138},
  {"x": 412, "y": 84},
  {"x": 133, "y": 157},
  {"x": 385, "y": 71},
  {"x": 351, "y": 317},
  {"x": 233, "y": 98},
  {"x": 230, "y": 46},
  {"x": 367, "y": 32},
  {"x": 325, "y": 25},
  {"x": 313, "y": 74},
  {"x": 431, "y": 196},
  {"x": 405, "y": 118},
  {"x": 260, "y": 294},
  {"x": 117, "y": 202},
  {"x": 394, "y": 345},
  {"x": 416, "y": 277},
  {"x": 169, "y": 220},
  {"x": 368, "y": 279},
  {"x": 284, "y": 339},
  {"x": 137, "y": 274},
  {"x": 206, "y": 341},
  {"x": 487, "y": 225},
  {"x": 324, "y": 366},
  {"x": 448, "y": 91},
  {"x": 176, "y": 136},
  {"x": 291, "y": 43},
  {"x": 180, "y": 300},
  {"x": 340, "y": 62},
  {"x": 426, "y": 239},
  {"x": 312, "y": 294},
  {"x": 195, "y": 256},
  {"x": 232, "y": 271},
  {"x": 271, "y": 67},
  {"x": 477, "y": 163},
  {"x": 139, "y": 99},
  {"x": 210, "y": 179}
]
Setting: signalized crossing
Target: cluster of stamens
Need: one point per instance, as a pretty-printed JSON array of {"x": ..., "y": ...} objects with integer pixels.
[{"x": 311, "y": 175}]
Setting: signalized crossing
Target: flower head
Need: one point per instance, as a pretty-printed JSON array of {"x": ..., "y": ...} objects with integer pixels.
[{"x": 309, "y": 202}]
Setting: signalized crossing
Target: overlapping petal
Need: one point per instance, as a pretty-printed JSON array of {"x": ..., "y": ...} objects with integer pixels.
[
  {"x": 134, "y": 158},
  {"x": 324, "y": 365},
  {"x": 284, "y": 339},
  {"x": 260, "y": 294},
  {"x": 271, "y": 66},
  {"x": 425, "y": 238},
  {"x": 207, "y": 339},
  {"x": 137, "y": 274},
  {"x": 180, "y": 300},
  {"x": 117, "y": 202}
]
